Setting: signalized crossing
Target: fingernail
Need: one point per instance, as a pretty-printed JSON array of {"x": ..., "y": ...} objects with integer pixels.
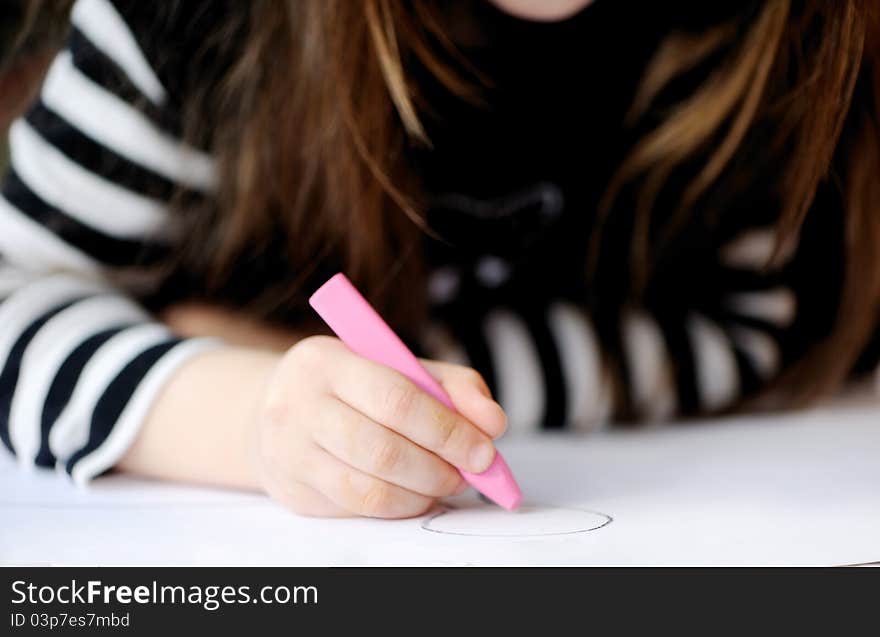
[
  {"x": 503, "y": 414},
  {"x": 499, "y": 421},
  {"x": 483, "y": 391},
  {"x": 481, "y": 457}
]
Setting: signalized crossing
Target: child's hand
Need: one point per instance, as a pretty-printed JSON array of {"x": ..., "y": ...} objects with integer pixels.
[{"x": 341, "y": 435}]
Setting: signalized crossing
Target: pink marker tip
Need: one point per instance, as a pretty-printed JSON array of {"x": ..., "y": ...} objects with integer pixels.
[
  {"x": 361, "y": 328},
  {"x": 497, "y": 483}
]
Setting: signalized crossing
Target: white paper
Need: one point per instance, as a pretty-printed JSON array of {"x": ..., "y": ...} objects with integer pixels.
[{"x": 795, "y": 489}]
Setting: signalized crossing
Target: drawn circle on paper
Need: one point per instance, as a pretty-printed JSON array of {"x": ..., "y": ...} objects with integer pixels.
[{"x": 527, "y": 521}]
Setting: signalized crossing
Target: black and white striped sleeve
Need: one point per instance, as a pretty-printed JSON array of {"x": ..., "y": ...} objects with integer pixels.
[
  {"x": 712, "y": 334},
  {"x": 723, "y": 345},
  {"x": 712, "y": 331},
  {"x": 93, "y": 162}
]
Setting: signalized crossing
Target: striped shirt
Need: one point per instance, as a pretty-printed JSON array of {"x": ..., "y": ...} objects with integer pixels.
[{"x": 85, "y": 212}]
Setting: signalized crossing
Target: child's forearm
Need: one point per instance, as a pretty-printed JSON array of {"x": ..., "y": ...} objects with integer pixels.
[
  {"x": 322, "y": 430},
  {"x": 200, "y": 427}
]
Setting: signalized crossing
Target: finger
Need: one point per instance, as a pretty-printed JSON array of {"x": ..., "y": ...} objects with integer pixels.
[
  {"x": 282, "y": 481},
  {"x": 359, "y": 493},
  {"x": 471, "y": 395},
  {"x": 389, "y": 398},
  {"x": 376, "y": 450},
  {"x": 304, "y": 500}
]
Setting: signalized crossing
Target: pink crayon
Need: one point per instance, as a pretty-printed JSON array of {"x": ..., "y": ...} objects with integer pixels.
[{"x": 361, "y": 328}]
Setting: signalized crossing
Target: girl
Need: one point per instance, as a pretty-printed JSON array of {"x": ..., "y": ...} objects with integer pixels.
[{"x": 615, "y": 209}]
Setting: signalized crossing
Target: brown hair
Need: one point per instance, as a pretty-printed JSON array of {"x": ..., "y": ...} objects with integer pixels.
[
  {"x": 331, "y": 173},
  {"x": 30, "y": 32},
  {"x": 31, "y": 27}
]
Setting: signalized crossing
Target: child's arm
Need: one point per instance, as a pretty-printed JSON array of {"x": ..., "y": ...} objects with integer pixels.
[
  {"x": 198, "y": 429},
  {"x": 322, "y": 430},
  {"x": 228, "y": 458}
]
